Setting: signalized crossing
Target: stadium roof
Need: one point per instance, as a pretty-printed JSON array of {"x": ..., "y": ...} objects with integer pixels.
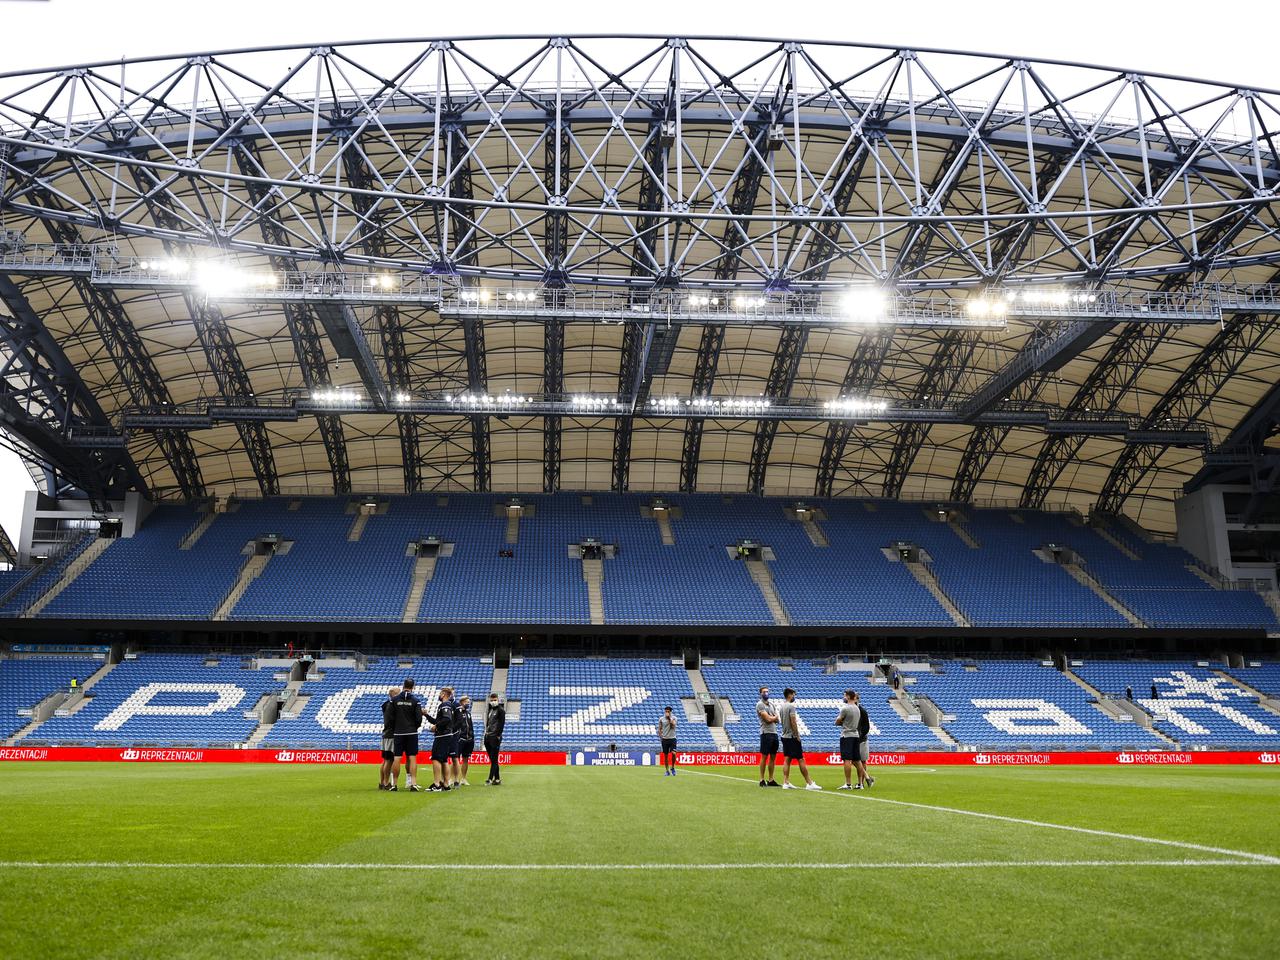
[{"x": 636, "y": 263}]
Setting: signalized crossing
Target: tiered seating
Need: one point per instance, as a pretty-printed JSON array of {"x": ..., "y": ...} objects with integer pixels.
[
  {"x": 1195, "y": 707},
  {"x": 1020, "y": 704},
  {"x": 25, "y": 682},
  {"x": 327, "y": 578},
  {"x": 1162, "y": 591},
  {"x": 365, "y": 580},
  {"x": 1264, "y": 677},
  {"x": 1006, "y": 584},
  {"x": 568, "y": 703},
  {"x": 47, "y": 576},
  {"x": 694, "y": 580},
  {"x": 852, "y": 581},
  {"x": 147, "y": 576},
  {"x": 345, "y": 706},
  {"x": 740, "y": 681},
  {"x": 190, "y": 703}
]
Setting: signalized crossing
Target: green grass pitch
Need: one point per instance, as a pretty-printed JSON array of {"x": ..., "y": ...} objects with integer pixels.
[{"x": 609, "y": 862}]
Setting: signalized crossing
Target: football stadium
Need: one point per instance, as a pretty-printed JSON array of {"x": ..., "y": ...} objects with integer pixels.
[{"x": 739, "y": 494}]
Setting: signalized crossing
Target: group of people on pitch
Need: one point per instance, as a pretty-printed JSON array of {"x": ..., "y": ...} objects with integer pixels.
[
  {"x": 403, "y": 715},
  {"x": 854, "y": 725}
]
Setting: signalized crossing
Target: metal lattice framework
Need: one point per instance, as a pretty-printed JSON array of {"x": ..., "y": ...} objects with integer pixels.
[{"x": 643, "y": 245}]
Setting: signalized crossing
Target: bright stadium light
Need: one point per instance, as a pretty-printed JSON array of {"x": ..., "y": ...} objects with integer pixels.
[
  {"x": 986, "y": 307},
  {"x": 854, "y": 406},
  {"x": 591, "y": 402},
  {"x": 335, "y": 396},
  {"x": 864, "y": 304}
]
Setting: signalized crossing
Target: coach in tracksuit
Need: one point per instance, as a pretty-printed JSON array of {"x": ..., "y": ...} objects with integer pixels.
[
  {"x": 495, "y": 720},
  {"x": 407, "y": 721},
  {"x": 465, "y": 744},
  {"x": 444, "y": 744}
]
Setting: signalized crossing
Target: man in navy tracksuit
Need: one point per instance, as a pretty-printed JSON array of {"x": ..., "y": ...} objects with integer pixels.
[
  {"x": 466, "y": 741},
  {"x": 406, "y": 721},
  {"x": 495, "y": 721},
  {"x": 442, "y": 747}
]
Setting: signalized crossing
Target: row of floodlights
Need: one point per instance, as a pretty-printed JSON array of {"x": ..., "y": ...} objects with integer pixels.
[{"x": 711, "y": 404}]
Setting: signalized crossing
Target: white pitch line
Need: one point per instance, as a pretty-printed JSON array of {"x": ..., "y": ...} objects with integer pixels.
[
  {"x": 593, "y": 867},
  {"x": 1137, "y": 838}
]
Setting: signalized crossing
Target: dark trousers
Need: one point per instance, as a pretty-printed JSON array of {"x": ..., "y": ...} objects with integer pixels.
[{"x": 491, "y": 746}]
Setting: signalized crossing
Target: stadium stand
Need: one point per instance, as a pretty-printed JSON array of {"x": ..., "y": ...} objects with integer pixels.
[
  {"x": 167, "y": 699},
  {"x": 25, "y": 682},
  {"x": 987, "y": 568},
  {"x": 1265, "y": 677},
  {"x": 819, "y": 694},
  {"x": 570, "y": 702},
  {"x": 1194, "y": 706},
  {"x": 1023, "y": 705},
  {"x": 46, "y": 575},
  {"x": 343, "y": 709}
]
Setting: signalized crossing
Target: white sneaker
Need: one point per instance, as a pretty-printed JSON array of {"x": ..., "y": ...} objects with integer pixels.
[
  {"x": 812, "y": 786},
  {"x": 788, "y": 786},
  {"x": 844, "y": 786},
  {"x": 464, "y": 783}
]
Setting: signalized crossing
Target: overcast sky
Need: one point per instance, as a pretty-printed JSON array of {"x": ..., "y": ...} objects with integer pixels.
[{"x": 1236, "y": 48}]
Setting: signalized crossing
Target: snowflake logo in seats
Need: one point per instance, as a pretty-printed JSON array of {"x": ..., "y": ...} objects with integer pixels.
[{"x": 1183, "y": 686}]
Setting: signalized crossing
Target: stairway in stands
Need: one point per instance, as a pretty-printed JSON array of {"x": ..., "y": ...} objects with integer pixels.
[
  {"x": 73, "y": 570},
  {"x": 424, "y": 568},
  {"x": 924, "y": 576},
  {"x": 1085, "y": 579},
  {"x": 251, "y": 570},
  {"x": 663, "y": 519},
  {"x": 759, "y": 571},
  {"x": 593, "y": 573}
]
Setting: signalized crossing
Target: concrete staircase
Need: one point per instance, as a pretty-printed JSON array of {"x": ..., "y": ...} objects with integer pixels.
[
  {"x": 663, "y": 519},
  {"x": 924, "y": 576},
  {"x": 500, "y": 681},
  {"x": 593, "y": 573},
  {"x": 424, "y": 568},
  {"x": 759, "y": 571},
  {"x": 1116, "y": 542},
  {"x": 357, "y": 527},
  {"x": 961, "y": 531},
  {"x": 251, "y": 570},
  {"x": 817, "y": 536},
  {"x": 198, "y": 531},
  {"x": 1272, "y": 600},
  {"x": 513, "y": 527},
  {"x": 73, "y": 570},
  {"x": 1265, "y": 700},
  {"x": 1082, "y": 577}
]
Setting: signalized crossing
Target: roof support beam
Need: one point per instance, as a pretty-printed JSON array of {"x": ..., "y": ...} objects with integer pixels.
[
  {"x": 786, "y": 361},
  {"x": 556, "y": 172},
  {"x": 219, "y": 348},
  {"x": 312, "y": 363},
  {"x": 1185, "y": 401},
  {"x": 746, "y": 188},
  {"x": 141, "y": 380}
]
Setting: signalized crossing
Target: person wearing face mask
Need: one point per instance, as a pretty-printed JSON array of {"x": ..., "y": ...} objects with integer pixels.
[{"x": 495, "y": 719}]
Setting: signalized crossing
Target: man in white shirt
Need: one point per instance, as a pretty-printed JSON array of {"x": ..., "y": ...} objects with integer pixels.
[{"x": 792, "y": 748}]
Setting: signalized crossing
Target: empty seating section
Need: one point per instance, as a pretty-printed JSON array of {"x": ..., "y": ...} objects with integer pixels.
[
  {"x": 1163, "y": 592},
  {"x": 540, "y": 583},
  {"x": 1021, "y": 704},
  {"x": 166, "y": 699},
  {"x": 344, "y": 709},
  {"x": 48, "y": 574},
  {"x": 148, "y": 576},
  {"x": 567, "y": 703},
  {"x": 1265, "y": 677},
  {"x": 819, "y": 695},
  {"x": 25, "y": 682},
  {"x": 1193, "y": 705},
  {"x": 852, "y": 581},
  {"x": 1006, "y": 584},
  {"x": 326, "y": 577},
  {"x": 694, "y": 580}
]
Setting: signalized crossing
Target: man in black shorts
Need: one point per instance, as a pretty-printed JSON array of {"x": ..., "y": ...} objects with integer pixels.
[
  {"x": 444, "y": 744},
  {"x": 667, "y": 739},
  {"x": 465, "y": 742},
  {"x": 792, "y": 748},
  {"x": 408, "y": 719},
  {"x": 388, "y": 740},
  {"x": 768, "y": 737},
  {"x": 849, "y": 720}
]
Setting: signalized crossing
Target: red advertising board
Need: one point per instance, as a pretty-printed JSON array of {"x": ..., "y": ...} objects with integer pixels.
[{"x": 279, "y": 756}]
